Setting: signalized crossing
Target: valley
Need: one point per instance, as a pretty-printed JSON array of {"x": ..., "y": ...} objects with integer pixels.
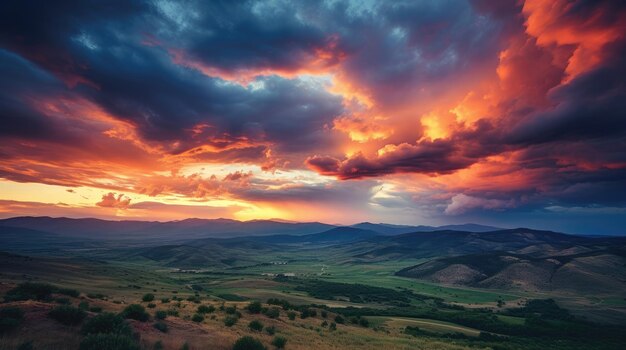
[{"x": 436, "y": 289}]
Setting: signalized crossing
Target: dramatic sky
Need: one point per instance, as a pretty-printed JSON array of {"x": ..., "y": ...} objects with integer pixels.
[{"x": 510, "y": 113}]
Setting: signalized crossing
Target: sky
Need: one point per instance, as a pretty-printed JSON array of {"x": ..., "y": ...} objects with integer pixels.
[{"x": 508, "y": 113}]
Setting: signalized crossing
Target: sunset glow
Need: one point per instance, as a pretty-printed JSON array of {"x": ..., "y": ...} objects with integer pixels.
[{"x": 414, "y": 112}]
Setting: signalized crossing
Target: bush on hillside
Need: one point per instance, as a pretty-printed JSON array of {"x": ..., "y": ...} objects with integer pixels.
[
  {"x": 248, "y": 343},
  {"x": 108, "y": 342},
  {"x": 197, "y": 318},
  {"x": 160, "y": 326},
  {"x": 272, "y": 312},
  {"x": 255, "y": 325},
  {"x": 148, "y": 297},
  {"x": 230, "y": 321},
  {"x": 10, "y": 318},
  {"x": 106, "y": 323},
  {"x": 135, "y": 312},
  {"x": 67, "y": 315},
  {"x": 206, "y": 309},
  {"x": 254, "y": 307},
  {"x": 270, "y": 330},
  {"x": 160, "y": 315},
  {"x": 69, "y": 292},
  {"x": 279, "y": 342},
  {"x": 30, "y": 290}
]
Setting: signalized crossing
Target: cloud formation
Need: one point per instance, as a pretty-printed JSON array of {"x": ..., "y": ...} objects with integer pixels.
[{"x": 464, "y": 107}]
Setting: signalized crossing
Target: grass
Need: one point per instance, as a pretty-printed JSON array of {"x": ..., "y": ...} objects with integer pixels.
[{"x": 114, "y": 285}]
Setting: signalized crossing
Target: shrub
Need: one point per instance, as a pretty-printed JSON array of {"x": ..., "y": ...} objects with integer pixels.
[
  {"x": 95, "y": 309},
  {"x": 206, "y": 309},
  {"x": 272, "y": 312},
  {"x": 135, "y": 312},
  {"x": 63, "y": 301},
  {"x": 254, "y": 307},
  {"x": 230, "y": 309},
  {"x": 255, "y": 325},
  {"x": 27, "y": 345},
  {"x": 69, "y": 292},
  {"x": 67, "y": 315},
  {"x": 270, "y": 330},
  {"x": 324, "y": 313},
  {"x": 197, "y": 318},
  {"x": 96, "y": 296},
  {"x": 160, "y": 326},
  {"x": 106, "y": 323},
  {"x": 148, "y": 297},
  {"x": 165, "y": 300},
  {"x": 332, "y": 327},
  {"x": 10, "y": 318},
  {"x": 325, "y": 323},
  {"x": 230, "y": 321},
  {"x": 291, "y": 315},
  {"x": 160, "y": 315},
  {"x": 30, "y": 290},
  {"x": 279, "y": 342},
  {"x": 194, "y": 299},
  {"x": 172, "y": 312},
  {"x": 151, "y": 305},
  {"x": 248, "y": 343},
  {"x": 339, "y": 319},
  {"x": 364, "y": 322},
  {"x": 83, "y": 305},
  {"x": 108, "y": 342}
]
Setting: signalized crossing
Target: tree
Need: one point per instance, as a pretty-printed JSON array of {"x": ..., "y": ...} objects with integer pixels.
[
  {"x": 248, "y": 343},
  {"x": 339, "y": 319}
]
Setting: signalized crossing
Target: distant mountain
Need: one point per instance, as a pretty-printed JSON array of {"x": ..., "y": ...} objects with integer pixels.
[
  {"x": 168, "y": 231},
  {"x": 343, "y": 234},
  {"x": 574, "y": 270},
  {"x": 447, "y": 243},
  {"x": 389, "y": 229}
]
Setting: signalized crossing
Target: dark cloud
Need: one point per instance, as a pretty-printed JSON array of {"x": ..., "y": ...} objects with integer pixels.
[
  {"x": 430, "y": 157},
  {"x": 248, "y": 35},
  {"x": 590, "y": 106},
  {"x": 114, "y": 67}
]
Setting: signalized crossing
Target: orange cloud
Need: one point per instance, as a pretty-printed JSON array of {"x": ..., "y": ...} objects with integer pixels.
[{"x": 110, "y": 200}]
